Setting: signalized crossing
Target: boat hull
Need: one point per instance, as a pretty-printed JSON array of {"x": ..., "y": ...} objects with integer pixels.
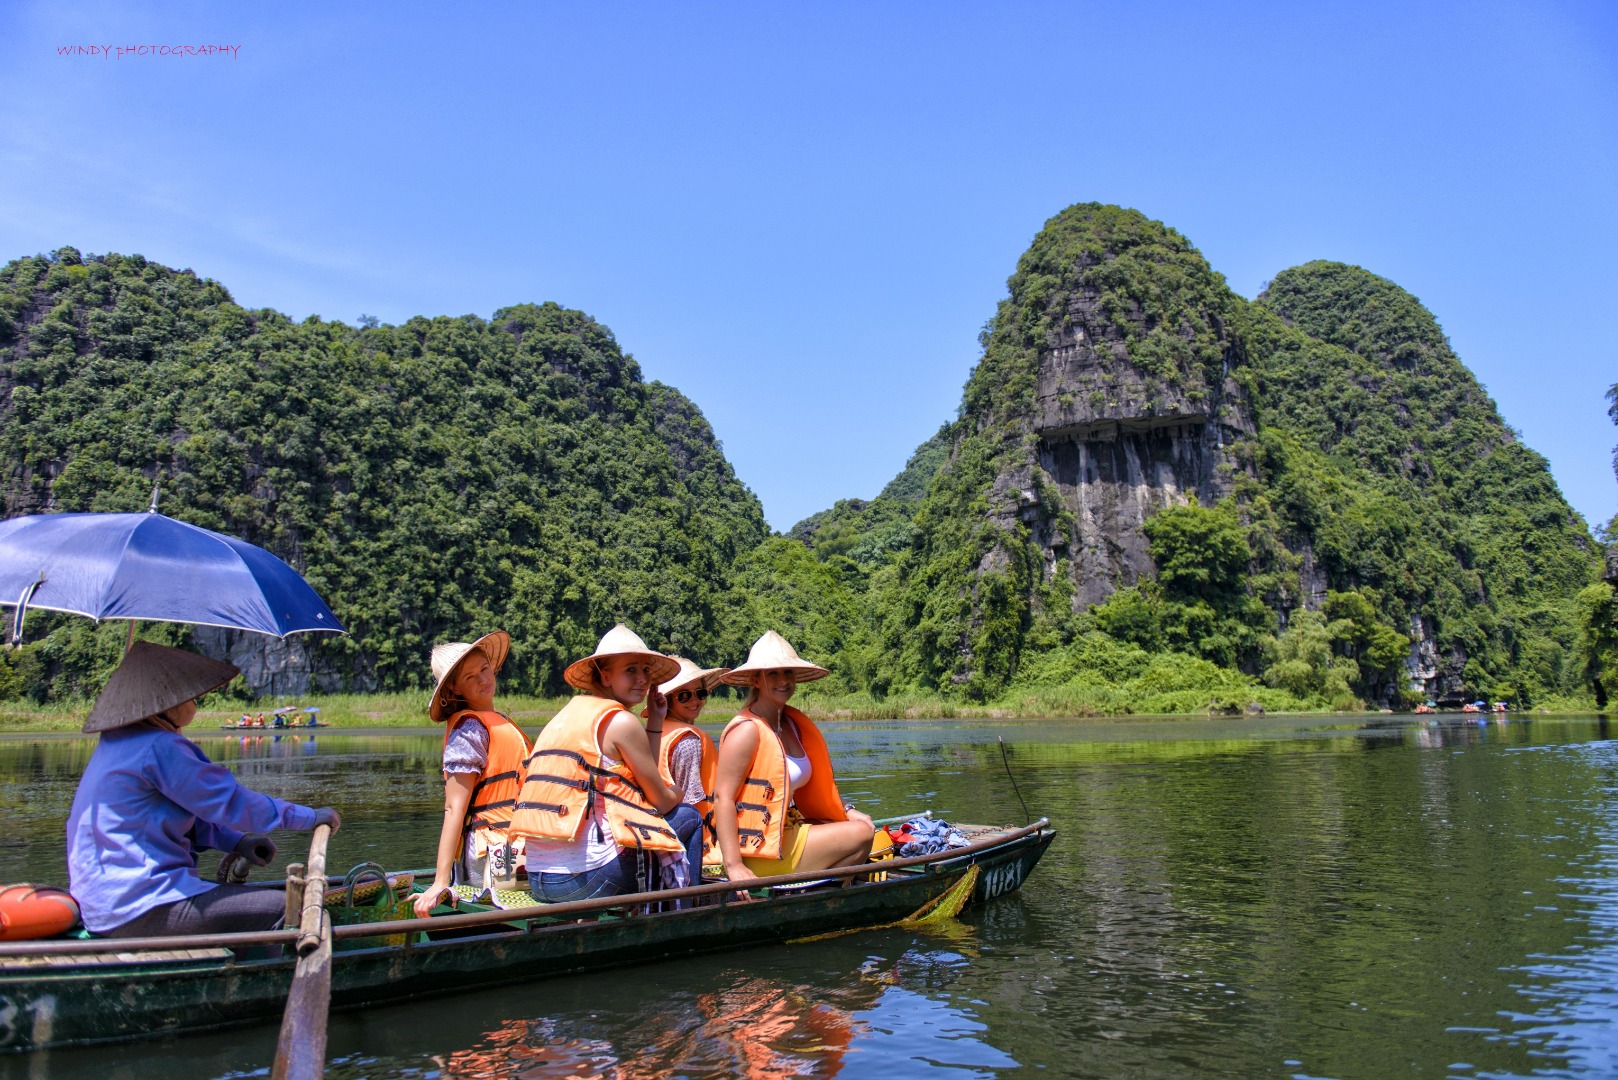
[{"x": 126, "y": 997}]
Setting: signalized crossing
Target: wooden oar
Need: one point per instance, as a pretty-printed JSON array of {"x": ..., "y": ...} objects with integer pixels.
[{"x": 300, "y": 1053}]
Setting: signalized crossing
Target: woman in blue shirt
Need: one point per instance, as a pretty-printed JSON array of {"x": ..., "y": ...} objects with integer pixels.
[{"x": 150, "y": 800}]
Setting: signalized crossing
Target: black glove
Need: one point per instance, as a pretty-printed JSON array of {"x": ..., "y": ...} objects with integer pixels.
[
  {"x": 327, "y": 816},
  {"x": 256, "y": 848}
]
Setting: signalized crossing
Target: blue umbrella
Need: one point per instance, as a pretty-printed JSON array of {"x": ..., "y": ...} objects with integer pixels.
[{"x": 149, "y": 566}]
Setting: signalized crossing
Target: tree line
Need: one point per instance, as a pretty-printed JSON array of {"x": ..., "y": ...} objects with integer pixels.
[{"x": 448, "y": 475}]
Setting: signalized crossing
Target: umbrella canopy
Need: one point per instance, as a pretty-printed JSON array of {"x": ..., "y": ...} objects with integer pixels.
[{"x": 149, "y": 566}]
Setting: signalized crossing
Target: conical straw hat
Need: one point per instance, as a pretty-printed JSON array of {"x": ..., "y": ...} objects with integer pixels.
[
  {"x": 447, "y": 658},
  {"x": 620, "y": 641},
  {"x": 773, "y": 652},
  {"x": 152, "y": 678},
  {"x": 689, "y": 672}
]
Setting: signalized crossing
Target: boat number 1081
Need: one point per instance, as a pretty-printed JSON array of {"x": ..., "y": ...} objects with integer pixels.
[{"x": 1001, "y": 880}]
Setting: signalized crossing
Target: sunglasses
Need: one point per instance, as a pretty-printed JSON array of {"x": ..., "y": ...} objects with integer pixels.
[{"x": 686, "y": 695}]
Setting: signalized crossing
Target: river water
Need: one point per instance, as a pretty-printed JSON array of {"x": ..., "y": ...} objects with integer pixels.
[{"x": 1280, "y": 897}]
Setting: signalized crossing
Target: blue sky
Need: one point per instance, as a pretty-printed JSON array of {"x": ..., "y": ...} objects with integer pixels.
[{"x": 801, "y": 215}]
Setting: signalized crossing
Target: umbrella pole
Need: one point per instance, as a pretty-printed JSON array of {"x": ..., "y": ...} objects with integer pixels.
[{"x": 129, "y": 642}]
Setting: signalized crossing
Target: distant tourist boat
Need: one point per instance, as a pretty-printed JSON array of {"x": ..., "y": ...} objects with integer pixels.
[
  {"x": 237, "y": 725},
  {"x": 290, "y": 716},
  {"x": 99, "y": 990}
]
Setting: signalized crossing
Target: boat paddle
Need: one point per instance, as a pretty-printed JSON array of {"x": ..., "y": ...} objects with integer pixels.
[{"x": 300, "y": 1052}]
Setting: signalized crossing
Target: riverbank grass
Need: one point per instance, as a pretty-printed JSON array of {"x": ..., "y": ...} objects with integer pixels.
[{"x": 1074, "y": 699}]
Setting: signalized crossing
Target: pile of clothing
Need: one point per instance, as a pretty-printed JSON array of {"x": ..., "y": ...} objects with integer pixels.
[{"x": 924, "y": 836}]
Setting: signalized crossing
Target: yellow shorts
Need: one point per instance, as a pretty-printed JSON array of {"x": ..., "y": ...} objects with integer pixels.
[{"x": 794, "y": 838}]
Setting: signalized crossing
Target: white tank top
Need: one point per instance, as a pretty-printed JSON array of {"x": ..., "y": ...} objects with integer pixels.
[{"x": 799, "y": 769}]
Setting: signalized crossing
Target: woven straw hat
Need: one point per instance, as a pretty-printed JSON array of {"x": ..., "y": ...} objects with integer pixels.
[
  {"x": 689, "y": 672},
  {"x": 447, "y": 660},
  {"x": 152, "y": 678},
  {"x": 773, "y": 652},
  {"x": 619, "y": 641}
]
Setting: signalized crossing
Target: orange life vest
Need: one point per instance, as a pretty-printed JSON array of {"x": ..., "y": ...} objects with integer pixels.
[
  {"x": 494, "y": 799},
  {"x": 565, "y": 779},
  {"x": 673, "y": 732},
  {"x": 763, "y": 798}
]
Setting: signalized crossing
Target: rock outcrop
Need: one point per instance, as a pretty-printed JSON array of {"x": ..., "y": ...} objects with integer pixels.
[
  {"x": 1134, "y": 406},
  {"x": 1121, "y": 445},
  {"x": 278, "y": 667}
]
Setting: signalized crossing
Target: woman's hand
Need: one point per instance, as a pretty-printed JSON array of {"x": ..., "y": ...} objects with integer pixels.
[
  {"x": 429, "y": 898},
  {"x": 862, "y": 818},
  {"x": 657, "y": 707},
  {"x": 738, "y": 874}
]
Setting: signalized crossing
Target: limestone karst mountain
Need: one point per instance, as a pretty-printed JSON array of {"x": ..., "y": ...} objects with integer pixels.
[{"x": 1370, "y": 482}]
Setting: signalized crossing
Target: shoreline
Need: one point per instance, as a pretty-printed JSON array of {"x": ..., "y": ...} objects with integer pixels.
[{"x": 406, "y": 714}]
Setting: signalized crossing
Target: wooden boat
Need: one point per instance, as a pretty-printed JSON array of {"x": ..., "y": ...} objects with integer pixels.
[{"x": 64, "y": 993}]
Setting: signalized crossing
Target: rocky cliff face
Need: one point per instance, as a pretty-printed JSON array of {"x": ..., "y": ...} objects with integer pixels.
[
  {"x": 1121, "y": 445},
  {"x": 1133, "y": 407},
  {"x": 278, "y": 667}
]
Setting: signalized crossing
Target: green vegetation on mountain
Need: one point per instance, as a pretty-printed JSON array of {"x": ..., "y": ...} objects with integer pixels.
[
  {"x": 1418, "y": 494},
  {"x": 1381, "y": 520},
  {"x": 1156, "y": 496},
  {"x": 1596, "y": 647},
  {"x": 431, "y": 480}
]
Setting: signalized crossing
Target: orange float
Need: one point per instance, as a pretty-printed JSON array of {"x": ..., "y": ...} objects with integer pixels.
[{"x": 35, "y": 911}]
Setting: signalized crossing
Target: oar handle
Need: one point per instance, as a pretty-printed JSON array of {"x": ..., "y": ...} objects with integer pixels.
[{"x": 314, "y": 892}]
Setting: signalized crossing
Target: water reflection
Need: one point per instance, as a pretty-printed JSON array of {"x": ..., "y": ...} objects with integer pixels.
[
  {"x": 1573, "y": 994},
  {"x": 855, "y": 1010},
  {"x": 1327, "y": 897},
  {"x": 758, "y": 1028}
]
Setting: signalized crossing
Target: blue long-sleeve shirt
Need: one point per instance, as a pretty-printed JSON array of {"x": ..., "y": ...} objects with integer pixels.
[{"x": 148, "y": 802}]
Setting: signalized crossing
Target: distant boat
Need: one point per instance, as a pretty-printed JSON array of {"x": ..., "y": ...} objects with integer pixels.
[
  {"x": 237, "y": 725},
  {"x": 287, "y": 716}
]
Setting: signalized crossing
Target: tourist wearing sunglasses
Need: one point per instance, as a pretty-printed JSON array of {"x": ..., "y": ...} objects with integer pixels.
[{"x": 685, "y": 754}]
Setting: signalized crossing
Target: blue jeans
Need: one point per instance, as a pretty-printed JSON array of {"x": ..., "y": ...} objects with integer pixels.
[
  {"x": 619, "y": 876},
  {"x": 687, "y": 825},
  {"x": 613, "y": 879}
]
